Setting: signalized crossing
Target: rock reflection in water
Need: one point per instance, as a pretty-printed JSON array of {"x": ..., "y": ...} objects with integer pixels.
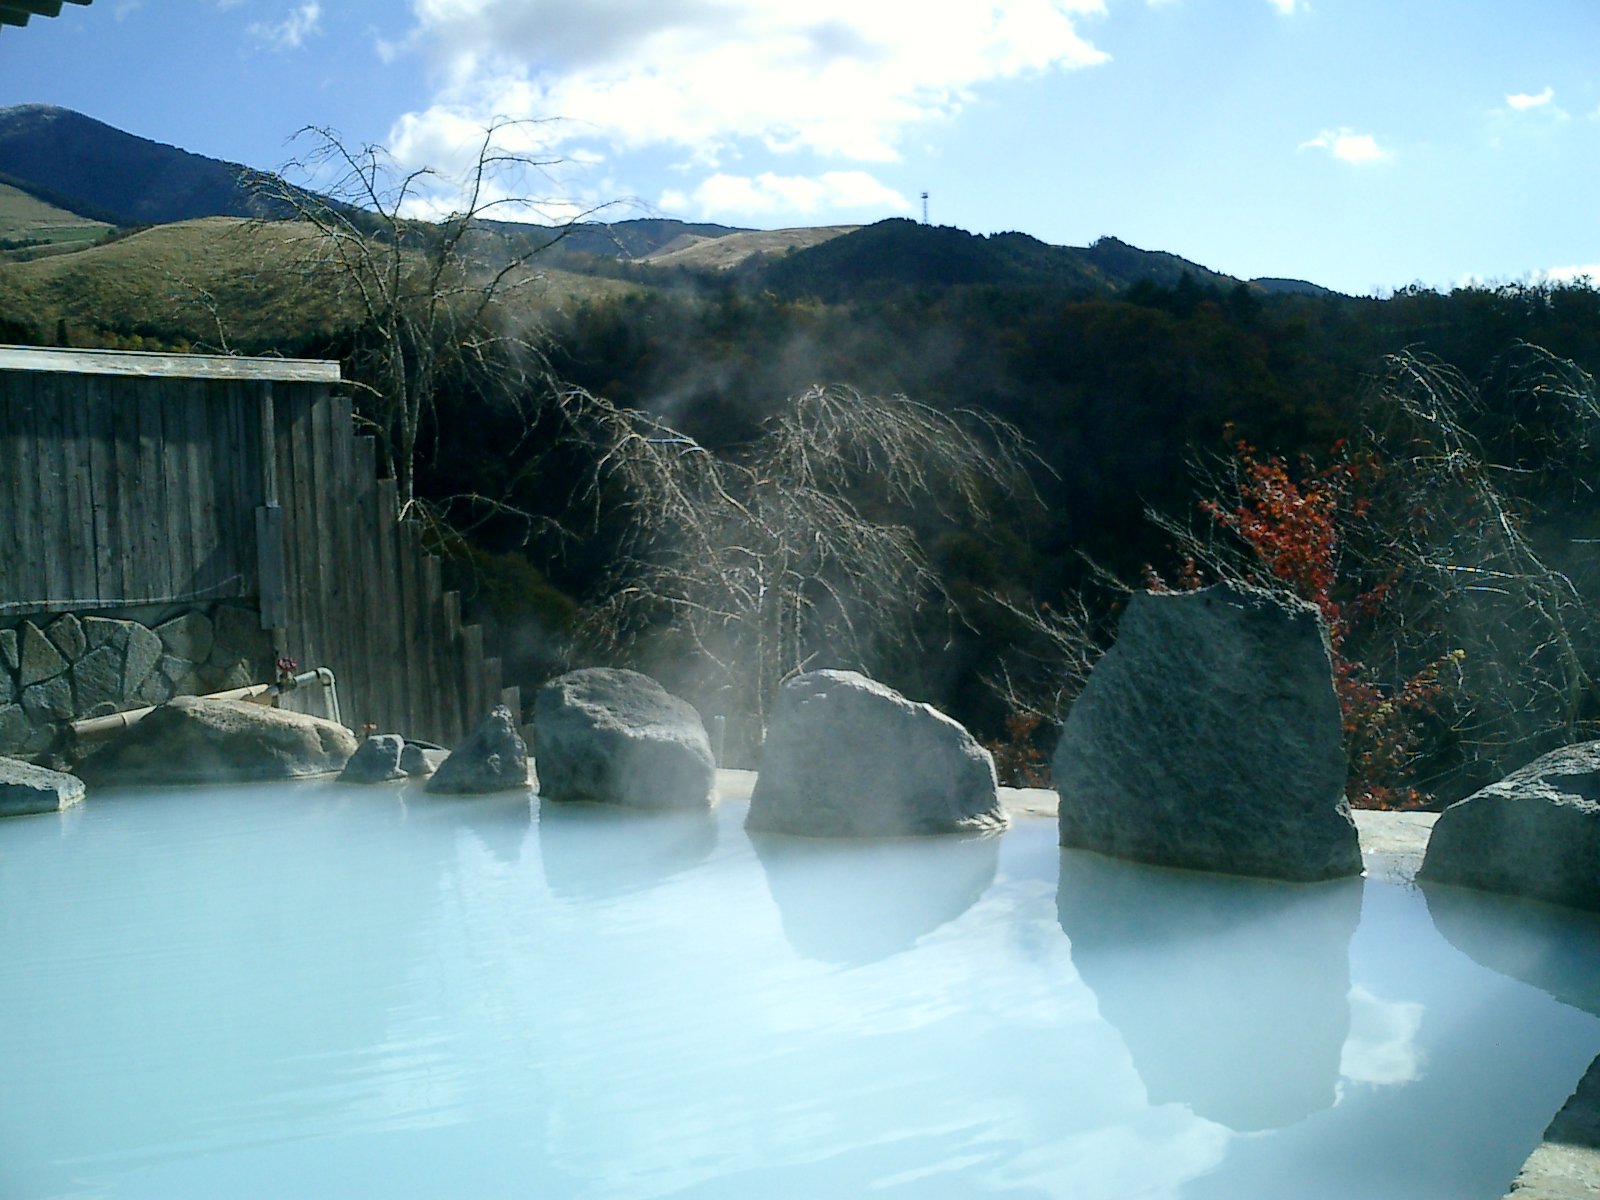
[
  {"x": 855, "y": 901},
  {"x": 584, "y": 859},
  {"x": 1522, "y": 939},
  {"x": 500, "y": 821},
  {"x": 1231, "y": 994}
]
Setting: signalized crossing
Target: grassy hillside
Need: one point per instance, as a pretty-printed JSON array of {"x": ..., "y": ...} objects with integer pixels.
[
  {"x": 729, "y": 250},
  {"x": 218, "y": 282},
  {"x": 28, "y": 225}
]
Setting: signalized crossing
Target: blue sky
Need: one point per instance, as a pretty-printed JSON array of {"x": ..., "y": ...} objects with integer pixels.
[{"x": 1361, "y": 144}]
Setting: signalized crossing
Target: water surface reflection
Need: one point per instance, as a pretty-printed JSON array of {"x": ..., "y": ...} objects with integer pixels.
[
  {"x": 854, "y": 901},
  {"x": 1231, "y": 994}
]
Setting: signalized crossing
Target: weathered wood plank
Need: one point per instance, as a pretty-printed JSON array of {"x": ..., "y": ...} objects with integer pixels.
[
  {"x": 15, "y": 467},
  {"x": 459, "y": 716},
  {"x": 151, "y": 566},
  {"x": 142, "y": 364},
  {"x": 438, "y": 646},
  {"x": 104, "y": 485},
  {"x": 391, "y": 611},
  {"x": 77, "y": 501},
  {"x": 123, "y": 410},
  {"x": 416, "y": 724},
  {"x": 53, "y": 517}
]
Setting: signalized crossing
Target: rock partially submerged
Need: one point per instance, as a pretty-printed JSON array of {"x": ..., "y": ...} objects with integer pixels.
[
  {"x": 492, "y": 758},
  {"x": 849, "y": 757},
  {"x": 25, "y": 789},
  {"x": 1209, "y": 737},
  {"x": 619, "y": 737},
  {"x": 195, "y": 739},
  {"x": 376, "y": 760},
  {"x": 1535, "y": 833}
]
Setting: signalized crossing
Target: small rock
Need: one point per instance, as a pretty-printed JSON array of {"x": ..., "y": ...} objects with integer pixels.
[
  {"x": 187, "y": 637},
  {"x": 1534, "y": 833},
  {"x": 848, "y": 757},
  {"x": 492, "y": 758},
  {"x": 25, "y": 788},
  {"x": 14, "y": 728},
  {"x": 376, "y": 760},
  {"x": 8, "y": 649},
  {"x": 420, "y": 761},
  {"x": 144, "y": 652},
  {"x": 97, "y": 678},
  {"x": 66, "y": 634},
  {"x": 104, "y": 631},
  {"x": 8, "y": 688},
  {"x": 40, "y": 658},
  {"x": 619, "y": 737},
  {"x": 194, "y": 739},
  {"x": 48, "y": 701}
]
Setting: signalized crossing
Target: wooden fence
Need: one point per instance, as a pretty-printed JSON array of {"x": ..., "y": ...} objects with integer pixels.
[{"x": 129, "y": 480}]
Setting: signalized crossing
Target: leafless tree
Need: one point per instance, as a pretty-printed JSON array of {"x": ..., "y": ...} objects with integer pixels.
[
  {"x": 798, "y": 551},
  {"x": 428, "y": 296}
]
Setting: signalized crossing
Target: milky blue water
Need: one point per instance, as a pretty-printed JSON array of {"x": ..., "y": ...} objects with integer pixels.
[{"x": 324, "y": 991}]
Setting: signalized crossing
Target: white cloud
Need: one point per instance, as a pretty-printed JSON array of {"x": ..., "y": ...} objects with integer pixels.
[
  {"x": 1536, "y": 103},
  {"x": 1522, "y": 101},
  {"x": 767, "y": 194},
  {"x": 1287, "y": 7},
  {"x": 1349, "y": 146},
  {"x": 291, "y": 32},
  {"x": 707, "y": 79}
]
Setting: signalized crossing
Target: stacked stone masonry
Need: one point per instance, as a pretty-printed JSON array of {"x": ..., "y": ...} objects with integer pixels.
[{"x": 68, "y": 667}]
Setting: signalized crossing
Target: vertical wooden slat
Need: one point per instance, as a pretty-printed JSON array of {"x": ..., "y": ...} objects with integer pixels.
[
  {"x": 297, "y": 480},
  {"x": 200, "y": 464},
  {"x": 458, "y": 712},
  {"x": 123, "y": 410},
  {"x": 392, "y": 614},
  {"x": 53, "y": 516},
  {"x": 154, "y": 567},
  {"x": 441, "y": 652},
  {"x": 377, "y": 704},
  {"x": 104, "y": 485},
  {"x": 411, "y": 633},
  {"x": 77, "y": 500},
  {"x": 15, "y": 467}
]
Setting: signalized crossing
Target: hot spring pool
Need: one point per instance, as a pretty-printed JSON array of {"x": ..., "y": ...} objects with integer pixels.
[{"x": 325, "y": 991}]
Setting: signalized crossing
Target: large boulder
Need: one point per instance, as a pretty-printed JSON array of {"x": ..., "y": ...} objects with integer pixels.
[
  {"x": 492, "y": 758},
  {"x": 848, "y": 757},
  {"x": 1209, "y": 737},
  {"x": 1535, "y": 833},
  {"x": 194, "y": 739},
  {"x": 619, "y": 737},
  {"x": 25, "y": 788}
]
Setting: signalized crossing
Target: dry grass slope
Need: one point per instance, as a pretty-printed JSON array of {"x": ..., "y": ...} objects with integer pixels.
[{"x": 219, "y": 282}]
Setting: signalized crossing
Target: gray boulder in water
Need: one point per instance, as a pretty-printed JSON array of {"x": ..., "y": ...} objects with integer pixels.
[
  {"x": 25, "y": 788},
  {"x": 195, "y": 739},
  {"x": 619, "y": 737},
  {"x": 492, "y": 758},
  {"x": 848, "y": 757},
  {"x": 376, "y": 760},
  {"x": 1209, "y": 737},
  {"x": 1535, "y": 833}
]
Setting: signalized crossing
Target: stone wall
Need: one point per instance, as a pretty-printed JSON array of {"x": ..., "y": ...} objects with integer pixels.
[{"x": 63, "y": 668}]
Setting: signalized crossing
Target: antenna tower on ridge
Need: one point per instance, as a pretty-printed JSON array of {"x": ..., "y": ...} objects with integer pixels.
[{"x": 924, "y": 208}]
